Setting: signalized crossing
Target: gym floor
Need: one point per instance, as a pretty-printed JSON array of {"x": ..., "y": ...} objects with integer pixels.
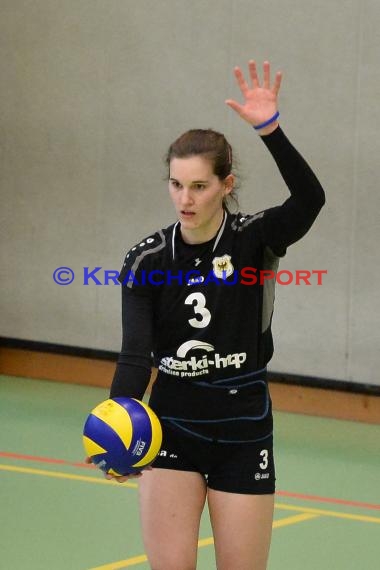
[{"x": 59, "y": 514}]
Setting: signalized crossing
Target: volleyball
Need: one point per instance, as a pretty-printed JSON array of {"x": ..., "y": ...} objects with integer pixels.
[{"x": 122, "y": 436}]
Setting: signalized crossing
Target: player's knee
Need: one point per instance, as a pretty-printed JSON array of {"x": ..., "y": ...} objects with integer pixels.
[
  {"x": 175, "y": 566},
  {"x": 173, "y": 559},
  {"x": 172, "y": 556},
  {"x": 172, "y": 564}
]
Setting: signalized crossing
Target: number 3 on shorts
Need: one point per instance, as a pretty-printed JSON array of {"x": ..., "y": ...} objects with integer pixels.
[{"x": 264, "y": 455}]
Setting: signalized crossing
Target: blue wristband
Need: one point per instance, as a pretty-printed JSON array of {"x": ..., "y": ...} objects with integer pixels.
[{"x": 268, "y": 122}]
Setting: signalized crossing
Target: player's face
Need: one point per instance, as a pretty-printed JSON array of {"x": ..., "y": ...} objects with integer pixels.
[{"x": 197, "y": 195}]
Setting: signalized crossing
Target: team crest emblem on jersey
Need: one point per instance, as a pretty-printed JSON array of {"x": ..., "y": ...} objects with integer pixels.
[{"x": 222, "y": 266}]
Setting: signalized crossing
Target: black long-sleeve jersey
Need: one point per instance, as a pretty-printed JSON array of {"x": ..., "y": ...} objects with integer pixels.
[{"x": 204, "y": 311}]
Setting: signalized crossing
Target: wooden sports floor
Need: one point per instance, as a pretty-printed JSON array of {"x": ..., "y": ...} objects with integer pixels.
[{"x": 58, "y": 514}]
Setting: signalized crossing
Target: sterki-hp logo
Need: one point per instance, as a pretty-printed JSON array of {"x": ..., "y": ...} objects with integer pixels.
[{"x": 190, "y": 366}]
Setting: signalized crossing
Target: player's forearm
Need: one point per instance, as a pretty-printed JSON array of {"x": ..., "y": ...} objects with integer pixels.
[
  {"x": 303, "y": 185},
  {"x": 134, "y": 363},
  {"x": 130, "y": 380}
]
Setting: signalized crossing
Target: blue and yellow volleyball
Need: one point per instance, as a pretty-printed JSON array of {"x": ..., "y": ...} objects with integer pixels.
[{"x": 122, "y": 436}]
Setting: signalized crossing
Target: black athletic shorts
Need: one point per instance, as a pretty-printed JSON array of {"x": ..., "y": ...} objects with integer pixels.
[{"x": 231, "y": 467}]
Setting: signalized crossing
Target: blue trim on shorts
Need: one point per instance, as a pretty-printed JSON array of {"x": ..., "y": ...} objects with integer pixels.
[
  {"x": 216, "y": 440},
  {"x": 246, "y": 440},
  {"x": 193, "y": 433},
  {"x": 221, "y": 420},
  {"x": 248, "y": 375}
]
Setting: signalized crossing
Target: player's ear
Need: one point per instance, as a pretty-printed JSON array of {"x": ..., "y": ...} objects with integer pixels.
[{"x": 229, "y": 182}]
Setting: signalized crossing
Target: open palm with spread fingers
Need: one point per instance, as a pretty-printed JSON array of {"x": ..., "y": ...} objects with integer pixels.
[{"x": 260, "y": 99}]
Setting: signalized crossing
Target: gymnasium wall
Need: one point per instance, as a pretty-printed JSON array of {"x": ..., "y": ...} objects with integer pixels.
[{"x": 91, "y": 95}]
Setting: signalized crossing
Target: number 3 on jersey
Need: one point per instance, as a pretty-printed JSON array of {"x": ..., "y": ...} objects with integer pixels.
[{"x": 198, "y": 300}]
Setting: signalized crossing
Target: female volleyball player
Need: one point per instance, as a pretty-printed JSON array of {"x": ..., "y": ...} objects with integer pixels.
[{"x": 198, "y": 295}]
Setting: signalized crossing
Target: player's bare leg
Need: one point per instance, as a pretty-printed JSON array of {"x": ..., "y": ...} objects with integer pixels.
[
  {"x": 171, "y": 504},
  {"x": 242, "y": 527}
]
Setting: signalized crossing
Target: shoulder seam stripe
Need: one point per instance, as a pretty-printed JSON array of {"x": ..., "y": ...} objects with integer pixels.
[{"x": 140, "y": 257}]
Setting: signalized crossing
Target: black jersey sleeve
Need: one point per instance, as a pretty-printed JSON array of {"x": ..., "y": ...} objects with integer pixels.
[
  {"x": 134, "y": 363},
  {"x": 286, "y": 224},
  {"x": 133, "y": 366}
]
